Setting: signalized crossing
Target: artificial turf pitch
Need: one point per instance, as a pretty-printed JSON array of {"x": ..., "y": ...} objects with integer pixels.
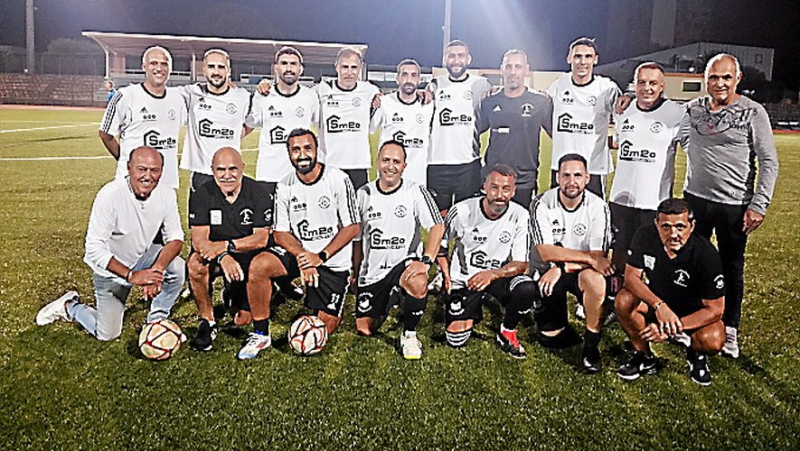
[{"x": 60, "y": 388}]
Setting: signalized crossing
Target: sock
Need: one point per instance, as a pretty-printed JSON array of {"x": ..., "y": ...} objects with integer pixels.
[
  {"x": 591, "y": 339},
  {"x": 457, "y": 339},
  {"x": 261, "y": 326},
  {"x": 503, "y": 328},
  {"x": 412, "y": 311},
  {"x": 212, "y": 323},
  {"x": 523, "y": 292},
  {"x": 410, "y": 333}
]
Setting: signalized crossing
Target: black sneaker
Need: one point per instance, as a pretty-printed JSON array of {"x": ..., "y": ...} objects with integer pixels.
[
  {"x": 698, "y": 367},
  {"x": 639, "y": 365},
  {"x": 591, "y": 359},
  {"x": 205, "y": 336},
  {"x": 510, "y": 344}
]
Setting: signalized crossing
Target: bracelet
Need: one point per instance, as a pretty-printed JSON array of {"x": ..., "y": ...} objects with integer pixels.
[
  {"x": 128, "y": 276},
  {"x": 655, "y": 309},
  {"x": 221, "y": 256}
]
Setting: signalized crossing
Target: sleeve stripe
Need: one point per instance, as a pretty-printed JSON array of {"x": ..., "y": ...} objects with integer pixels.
[
  {"x": 432, "y": 208},
  {"x": 351, "y": 200},
  {"x": 536, "y": 231},
  {"x": 111, "y": 110}
]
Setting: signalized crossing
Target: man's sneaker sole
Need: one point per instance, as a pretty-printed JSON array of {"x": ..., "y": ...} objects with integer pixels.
[
  {"x": 642, "y": 372},
  {"x": 52, "y": 312}
]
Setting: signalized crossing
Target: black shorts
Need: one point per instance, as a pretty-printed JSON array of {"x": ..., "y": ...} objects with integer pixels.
[
  {"x": 329, "y": 295},
  {"x": 377, "y": 299},
  {"x": 465, "y": 304},
  {"x": 451, "y": 183},
  {"x": 359, "y": 177},
  {"x": 552, "y": 313}
]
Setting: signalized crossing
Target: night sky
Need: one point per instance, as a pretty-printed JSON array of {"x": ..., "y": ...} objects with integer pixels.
[{"x": 396, "y": 29}]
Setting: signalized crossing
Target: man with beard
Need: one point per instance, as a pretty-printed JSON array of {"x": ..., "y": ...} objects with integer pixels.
[
  {"x": 515, "y": 118},
  {"x": 454, "y": 167},
  {"x": 571, "y": 233},
  {"x": 230, "y": 220},
  {"x": 403, "y": 117},
  {"x": 216, "y": 116},
  {"x": 489, "y": 258},
  {"x": 316, "y": 219},
  {"x": 146, "y": 114},
  {"x": 126, "y": 215},
  {"x": 288, "y": 106}
]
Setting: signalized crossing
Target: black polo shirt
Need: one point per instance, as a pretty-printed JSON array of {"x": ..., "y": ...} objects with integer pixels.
[
  {"x": 252, "y": 209},
  {"x": 684, "y": 281}
]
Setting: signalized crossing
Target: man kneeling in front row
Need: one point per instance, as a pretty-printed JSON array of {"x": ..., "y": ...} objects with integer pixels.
[{"x": 682, "y": 292}]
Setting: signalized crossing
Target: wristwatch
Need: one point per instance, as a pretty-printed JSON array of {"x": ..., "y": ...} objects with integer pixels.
[
  {"x": 231, "y": 246},
  {"x": 323, "y": 256},
  {"x": 426, "y": 260}
]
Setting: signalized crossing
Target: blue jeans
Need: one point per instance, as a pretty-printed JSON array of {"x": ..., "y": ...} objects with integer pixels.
[{"x": 105, "y": 322}]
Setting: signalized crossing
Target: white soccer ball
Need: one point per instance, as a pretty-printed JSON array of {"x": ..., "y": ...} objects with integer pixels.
[
  {"x": 308, "y": 335},
  {"x": 159, "y": 340}
]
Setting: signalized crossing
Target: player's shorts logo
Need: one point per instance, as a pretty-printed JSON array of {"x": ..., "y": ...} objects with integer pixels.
[
  {"x": 299, "y": 111},
  {"x": 172, "y": 114},
  {"x": 504, "y": 237},
  {"x": 656, "y": 127},
  {"x": 579, "y": 229},
  {"x": 364, "y": 301},
  {"x": 456, "y": 308},
  {"x": 400, "y": 211},
  {"x": 324, "y": 202},
  {"x": 231, "y": 108},
  {"x": 246, "y": 216}
]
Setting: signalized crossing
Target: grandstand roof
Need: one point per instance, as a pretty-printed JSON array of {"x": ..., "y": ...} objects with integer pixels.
[{"x": 238, "y": 48}]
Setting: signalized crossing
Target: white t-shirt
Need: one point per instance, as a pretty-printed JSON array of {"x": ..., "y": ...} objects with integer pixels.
[
  {"x": 390, "y": 226},
  {"x": 409, "y": 123},
  {"x": 580, "y": 120},
  {"x": 141, "y": 119},
  {"x": 316, "y": 212},
  {"x": 454, "y": 137},
  {"x": 647, "y": 142},
  {"x": 344, "y": 124},
  {"x": 215, "y": 121},
  {"x": 277, "y": 115},
  {"x": 482, "y": 243},
  {"x": 123, "y": 227}
]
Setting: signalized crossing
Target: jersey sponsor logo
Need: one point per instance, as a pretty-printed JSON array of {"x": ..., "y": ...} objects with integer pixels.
[
  {"x": 649, "y": 262},
  {"x": 567, "y": 98},
  {"x": 147, "y": 116},
  {"x": 334, "y": 124},
  {"x": 681, "y": 278},
  {"x": 247, "y": 216},
  {"x": 278, "y": 135},
  {"x": 324, "y": 202},
  {"x": 378, "y": 241},
  {"x": 504, "y": 237},
  {"x": 481, "y": 260},
  {"x": 527, "y": 109},
  {"x": 443, "y": 96},
  {"x": 719, "y": 282},
  {"x": 331, "y": 102},
  {"x": 364, "y": 301},
  {"x": 446, "y": 117},
  {"x": 207, "y": 130},
  {"x": 201, "y": 104},
  {"x": 309, "y": 234},
  {"x": 415, "y": 143},
  {"x": 273, "y": 113},
  {"x": 558, "y": 229},
  {"x": 497, "y": 108},
  {"x": 396, "y": 118},
  {"x": 566, "y": 125},
  {"x": 628, "y": 153},
  {"x": 153, "y": 139},
  {"x": 400, "y": 211},
  {"x": 372, "y": 214},
  {"x": 656, "y": 127},
  {"x": 627, "y": 126},
  {"x": 215, "y": 217},
  {"x": 579, "y": 229},
  {"x": 477, "y": 237},
  {"x": 297, "y": 205},
  {"x": 231, "y": 108}
]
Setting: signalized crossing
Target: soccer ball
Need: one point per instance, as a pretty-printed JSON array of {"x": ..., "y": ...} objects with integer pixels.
[
  {"x": 308, "y": 335},
  {"x": 160, "y": 339}
]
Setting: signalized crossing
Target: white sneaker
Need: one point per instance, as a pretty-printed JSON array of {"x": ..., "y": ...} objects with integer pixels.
[
  {"x": 56, "y": 310},
  {"x": 254, "y": 345},
  {"x": 411, "y": 346},
  {"x": 682, "y": 339},
  {"x": 731, "y": 346},
  {"x": 580, "y": 312},
  {"x": 436, "y": 284}
]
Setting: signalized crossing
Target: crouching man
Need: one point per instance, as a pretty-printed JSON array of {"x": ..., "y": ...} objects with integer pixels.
[
  {"x": 126, "y": 216},
  {"x": 673, "y": 286}
]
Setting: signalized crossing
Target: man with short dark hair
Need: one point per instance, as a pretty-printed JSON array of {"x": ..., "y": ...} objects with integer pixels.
[
  {"x": 126, "y": 216},
  {"x": 316, "y": 219},
  {"x": 673, "y": 285},
  {"x": 571, "y": 234},
  {"x": 230, "y": 220},
  {"x": 489, "y": 258}
]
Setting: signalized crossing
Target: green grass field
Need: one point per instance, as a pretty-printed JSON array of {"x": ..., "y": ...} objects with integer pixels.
[{"x": 59, "y": 388}]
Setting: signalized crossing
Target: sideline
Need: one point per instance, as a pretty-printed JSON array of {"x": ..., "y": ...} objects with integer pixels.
[
  {"x": 96, "y": 157},
  {"x": 79, "y": 124}
]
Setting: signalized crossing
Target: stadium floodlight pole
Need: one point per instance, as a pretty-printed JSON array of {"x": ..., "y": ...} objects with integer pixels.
[
  {"x": 31, "y": 56},
  {"x": 448, "y": 6}
]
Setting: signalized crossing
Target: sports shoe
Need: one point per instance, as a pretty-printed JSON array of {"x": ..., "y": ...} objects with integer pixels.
[
  {"x": 639, "y": 365},
  {"x": 410, "y": 345},
  {"x": 591, "y": 359},
  {"x": 731, "y": 346},
  {"x": 206, "y": 334},
  {"x": 436, "y": 284},
  {"x": 254, "y": 345},
  {"x": 510, "y": 344},
  {"x": 580, "y": 312},
  {"x": 56, "y": 310},
  {"x": 698, "y": 367},
  {"x": 682, "y": 339}
]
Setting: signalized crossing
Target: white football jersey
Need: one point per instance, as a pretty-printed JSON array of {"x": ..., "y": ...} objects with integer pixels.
[
  {"x": 215, "y": 121},
  {"x": 454, "y": 137},
  {"x": 141, "y": 119},
  {"x": 390, "y": 226},
  {"x": 580, "y": 120},
  {"x": 316, "y": 212},
  {"x": 409, "y": 123},
  {"x": 277, "y": 115},
  {"x": 586, "y": 228},
  {"x": 646, "y": 158},
  {"x": 482, "y": 243},
  {"x": 344, "y": 124}
]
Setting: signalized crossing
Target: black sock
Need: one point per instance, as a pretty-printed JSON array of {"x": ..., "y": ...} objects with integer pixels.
[
  {"x": 591, "y": 339},
  {"x": 519, "y": 303},
  {"x": 412, "y": 311},
  {"x": 261, "y": 326}
]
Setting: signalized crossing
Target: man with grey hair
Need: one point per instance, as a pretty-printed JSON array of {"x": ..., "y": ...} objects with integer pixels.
[{"x": 727, "y": 134}]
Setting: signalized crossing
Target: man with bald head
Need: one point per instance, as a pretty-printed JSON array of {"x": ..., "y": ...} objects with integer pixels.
[
  {"x": 126, "y": 216},
  {"x": 231, "y": 222}
]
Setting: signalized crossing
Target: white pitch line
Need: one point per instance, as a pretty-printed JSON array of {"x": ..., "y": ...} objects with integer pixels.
[
  {"x": 97, "y": 157},
  {"x": 83, "y": 124}
]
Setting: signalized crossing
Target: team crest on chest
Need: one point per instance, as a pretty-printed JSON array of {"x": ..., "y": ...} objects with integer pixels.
[
  {"x": 247, "y": 216},
  {"x": 579, "y": 229},
  {"x": 467, "y": 95},
  {"x": 420, "y": 118},
  {"x": 172, "y": 114},
  {"x": 357, "y": 102},
  {"x": 681, "y": 278},
  {"x": 504, "y": 237},
  {"x": 400, "y": 211},
  {"x": 299, "y": 111},
  {"x": 649, "y": 262},
  {"x": 527, "y": 109},
  {"x": 592, "y": 100},
  {"x": 231, "y": 108},
  {"x": 324, "y": 202},
  {"x": 656, "y": 127}
]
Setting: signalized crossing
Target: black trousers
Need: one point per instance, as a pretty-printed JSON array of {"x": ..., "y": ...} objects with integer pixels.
[{"x": 726, "y": 221}]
